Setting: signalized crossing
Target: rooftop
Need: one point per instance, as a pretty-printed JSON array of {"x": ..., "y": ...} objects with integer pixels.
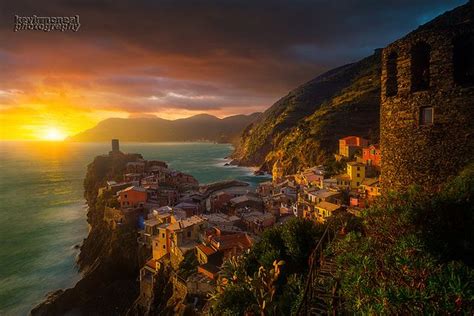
[
  {"x": 331, "y": 207},
  {"x": 376, "y": 146},
  {"x": 186, "y": 205},
  {"x": 240, "y": 240},
  {"x": 245, "y": 198},
  {"x": 220, "y": 217},
  {"x": 256, "y": 215},
  {"x": 206, "y": 249},
  {"x": 133, "y": 188},
  {"x": 153, "y": 222},
  {"x": 324, "y": 193},
  {"x": 343, "y": 177},
  {"x": 187, "y": 222},
  {"x": 371, "y": 181},
  {"x": 355, "y": 164}
]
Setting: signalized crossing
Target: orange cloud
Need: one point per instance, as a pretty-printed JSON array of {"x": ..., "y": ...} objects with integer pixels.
[{"x": 174, "y": 59}]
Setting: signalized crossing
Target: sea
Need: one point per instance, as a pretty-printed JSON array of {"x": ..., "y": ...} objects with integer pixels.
[{"x": 43, "y": 212}]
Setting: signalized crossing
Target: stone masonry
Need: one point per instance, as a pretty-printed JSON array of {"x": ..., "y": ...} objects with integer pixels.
[{"x": 427, "y": 103}]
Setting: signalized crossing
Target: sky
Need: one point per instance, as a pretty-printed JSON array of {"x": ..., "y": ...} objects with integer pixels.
[{"x": 175, "y": 59}]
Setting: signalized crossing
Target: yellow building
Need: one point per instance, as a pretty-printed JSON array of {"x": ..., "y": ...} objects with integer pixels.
[
  {"x": 177, "y": 237},
  {"x": 325, "y": 209},
  {"x": 160, "y": 244},
  {"x": 371, "y": 188},
  {"x": 356, "y": 172},
  {"x": 352, "y": 179}
]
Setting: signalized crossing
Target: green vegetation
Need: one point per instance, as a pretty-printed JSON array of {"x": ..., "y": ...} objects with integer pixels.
[
  {"x": 411, "y": 253},
  {"x": 414, "y": 254},
  {"x": 302, "y": 128},
  {"x": 188, "y": 266},
  {"x": 268, "y": 280},
  {"x": 334, "y": 167}
]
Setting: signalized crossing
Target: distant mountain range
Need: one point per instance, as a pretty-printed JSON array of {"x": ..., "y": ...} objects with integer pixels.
[{"x": 202, "y": 127}]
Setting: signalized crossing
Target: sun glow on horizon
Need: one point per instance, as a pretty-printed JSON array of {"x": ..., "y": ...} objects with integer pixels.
[{"x": 53, "y": 134}]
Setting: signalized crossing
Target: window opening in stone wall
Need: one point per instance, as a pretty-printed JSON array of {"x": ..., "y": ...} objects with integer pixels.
[
  {"x": 426, "y": 116},
  {"x": 391, "y": 88},
  {"x": 463, "y": 59},
  {"x": 420, "y": 67}
]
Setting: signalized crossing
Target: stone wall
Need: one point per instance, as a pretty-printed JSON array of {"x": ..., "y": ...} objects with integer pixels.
[{"x": 427, "y": 155}]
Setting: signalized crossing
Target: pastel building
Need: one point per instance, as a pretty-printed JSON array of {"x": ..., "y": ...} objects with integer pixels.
[
  {"x": 349, "y": 145},
  {"x": 352, "y": 179},
  {"x": 177, "y": 237},
  {"x": 372, "y": 156},
  {"x": 132, "y": 197}
]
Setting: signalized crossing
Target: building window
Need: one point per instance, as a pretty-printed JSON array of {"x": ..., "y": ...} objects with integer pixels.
[
  {"x": 358, "y": 175},
  {"x": 463, "y": 59},
  {"x": 391, "y": 86},
  {"x": 162, "y": 235},
  {"x": 189, "y": 234},
  {"x": 420, "y": 67},
  {"x": 164, "y": 246},
  {"x": 426, "y": 116}
]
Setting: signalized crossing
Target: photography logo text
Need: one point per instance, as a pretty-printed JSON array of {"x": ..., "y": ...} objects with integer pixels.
[{"x": 47, "y": 23}]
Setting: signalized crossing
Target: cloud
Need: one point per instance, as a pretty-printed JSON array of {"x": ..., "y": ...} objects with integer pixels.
[{"x": 216, "y": 56}]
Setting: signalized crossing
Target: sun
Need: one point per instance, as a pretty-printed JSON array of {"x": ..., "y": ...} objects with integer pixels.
[{"x": 53, "y": 134}]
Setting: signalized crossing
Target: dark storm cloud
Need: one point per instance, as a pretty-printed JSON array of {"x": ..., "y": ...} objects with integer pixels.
[{"x": 200, "y": 55}]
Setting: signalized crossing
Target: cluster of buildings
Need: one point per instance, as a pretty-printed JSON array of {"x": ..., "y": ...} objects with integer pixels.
[
  {"x": 427, "y": 84},
  {"x": 315, "y": 195},
  {"x": 179, "y": 219},
  {"x": 176, "y": 218}
]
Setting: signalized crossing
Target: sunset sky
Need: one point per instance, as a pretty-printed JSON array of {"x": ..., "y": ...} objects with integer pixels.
[{"x": 175, "y": 59}]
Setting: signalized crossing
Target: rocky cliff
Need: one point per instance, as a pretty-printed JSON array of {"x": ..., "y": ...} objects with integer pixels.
[
  {"x": 109, "y": 259},
  {"x": 302, "y": 128}
]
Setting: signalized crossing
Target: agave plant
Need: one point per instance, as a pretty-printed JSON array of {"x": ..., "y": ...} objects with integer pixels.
[{"x": 264, "y": 285}]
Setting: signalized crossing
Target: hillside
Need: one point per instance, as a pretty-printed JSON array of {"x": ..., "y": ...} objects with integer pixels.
[
  {"x": 198, "y": 127},
  {"x": 302, "y": 128}
]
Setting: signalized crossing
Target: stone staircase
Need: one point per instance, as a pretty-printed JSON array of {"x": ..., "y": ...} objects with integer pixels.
[
  {"x": 323, "y": 289},
  {"x": 320, "y": 297}
]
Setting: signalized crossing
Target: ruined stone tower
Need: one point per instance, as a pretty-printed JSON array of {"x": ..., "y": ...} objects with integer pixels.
[{"x": 427, "y": 102}]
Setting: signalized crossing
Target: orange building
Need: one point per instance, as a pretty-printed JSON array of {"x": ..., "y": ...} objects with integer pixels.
[
  {"x": 350, "y": 144},
  {"x": 372, "y": 156},
  {"x": 132, "y": 197}
]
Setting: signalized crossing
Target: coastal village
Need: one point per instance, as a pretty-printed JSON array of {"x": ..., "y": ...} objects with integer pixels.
[
  {"x": 185, "y": 232},
  {"x": 177, "y": 219}
]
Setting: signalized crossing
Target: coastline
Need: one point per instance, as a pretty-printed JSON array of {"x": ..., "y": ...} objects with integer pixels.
[{"x": 91, "y": 267}]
